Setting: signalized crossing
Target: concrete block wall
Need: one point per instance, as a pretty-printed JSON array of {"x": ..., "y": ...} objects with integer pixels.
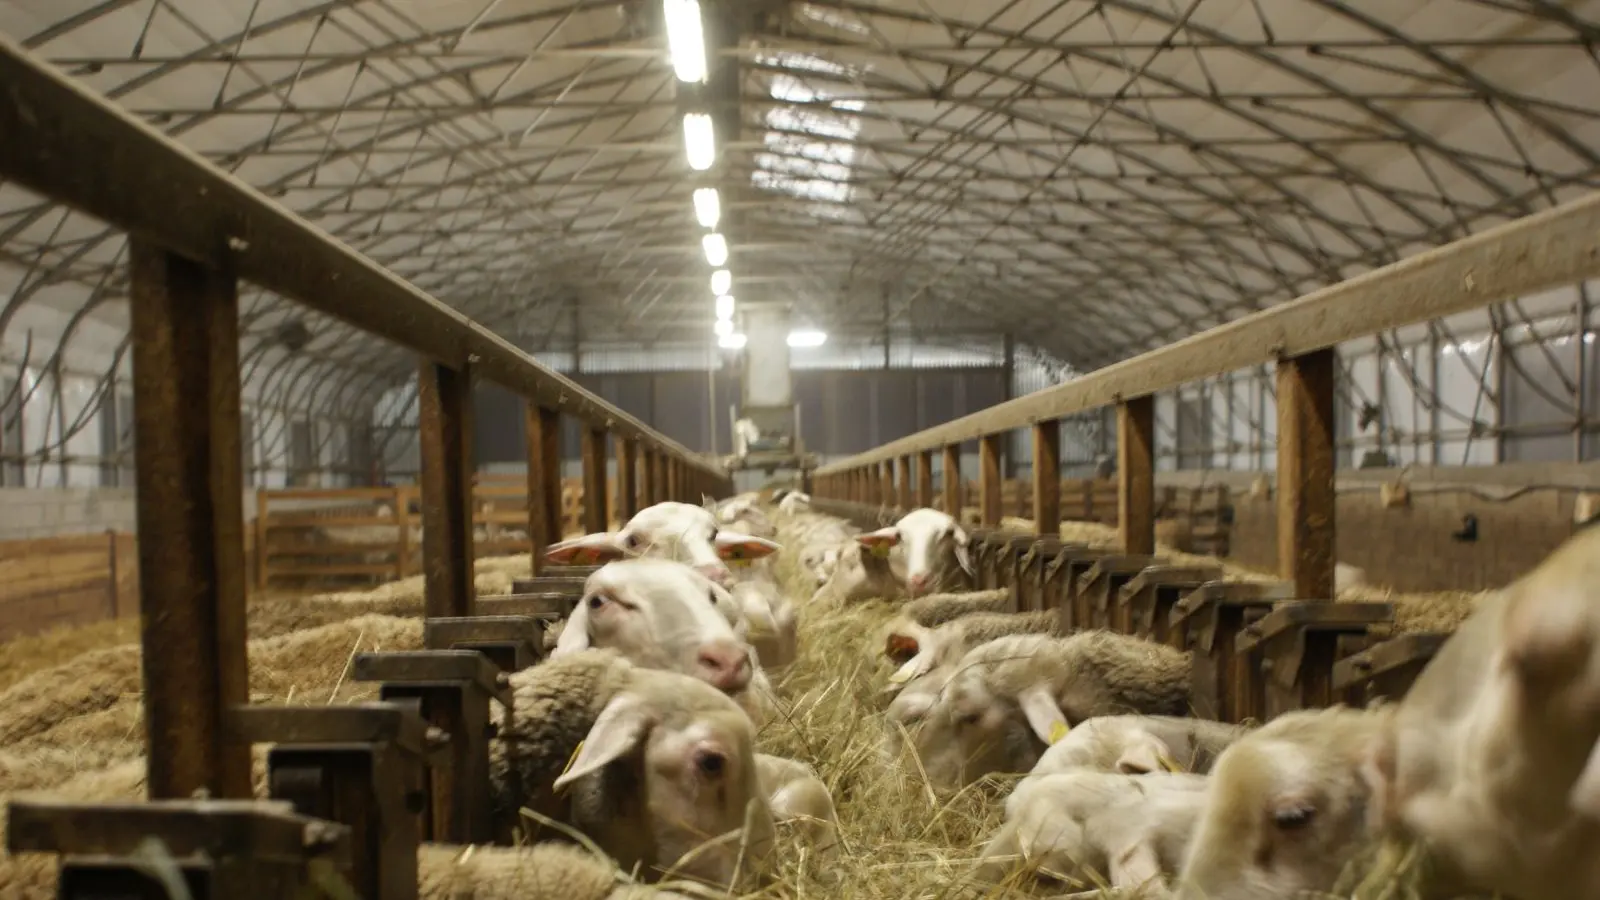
[{"x": 51, "y": 512}]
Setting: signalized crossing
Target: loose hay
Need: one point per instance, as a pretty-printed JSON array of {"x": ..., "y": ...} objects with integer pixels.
[{"x": 70, "y": 720}]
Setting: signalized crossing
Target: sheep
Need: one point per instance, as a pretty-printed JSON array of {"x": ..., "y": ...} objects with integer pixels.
[
  {"x": 1088, "y": 828},
  {"x": 861, "y": 574},
  {"x": 742, "y": 513},
  {"x": 936, "y": 550},
  {"x": 794, "y": 502},
  {"x": 1492, "y": 759},
  {"x": 904, "y": 635},
  {"x": 539, "y": 872},
  {"x": 677, "y": 531},
  {"x": 822, "y": 545},
  {"x": 662, "y": 614},
  {"x": 947, "y": 643},
  {"x": 796, "y": 794},
  {"x": 1138, "y": 745},
  {"x": 661, "y": 766},
  {"x": 1287, "y": 807},
  {"x": 773, "y": 629},
  {"x": 1008, "y": 699}
]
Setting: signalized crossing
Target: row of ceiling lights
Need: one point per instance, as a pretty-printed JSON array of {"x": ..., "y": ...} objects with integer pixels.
[{"x": 686, "y": 41}]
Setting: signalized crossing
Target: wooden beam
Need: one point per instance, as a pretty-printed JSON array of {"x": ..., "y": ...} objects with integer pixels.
[
  {"x": 907, "y": 499},
  {"x": 627, "y": 484},
  {"x": 925, "y": 479},
  {"x": 1136, "y": 475},
  {"x": 1306, "y": 461},
  {"x": 989, "y": 482},
  {"x": 595, "y": 518},
  {"x": 1047, "y": 477},
  {"x": 185, "y": 334},
  {"x": 954, "y": 487},
  {"x": 444, "y": 429},
  {"x": 543, "y": 427}
]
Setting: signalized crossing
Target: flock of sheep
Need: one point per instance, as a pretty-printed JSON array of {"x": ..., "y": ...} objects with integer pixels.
[
  {"x": 639, "y": 735},
  {"x": 639, "y": 731}
]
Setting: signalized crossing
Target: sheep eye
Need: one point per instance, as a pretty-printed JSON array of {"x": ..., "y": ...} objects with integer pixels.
[
  {"x": 712, "y": 596},
  {"x": 969, "y": 719},
  {"x": 596, "y": 601},
  {"x": 710, "y": 763},
  {"x": 1293, "y": 817},
  {"x": 631, "y": 542}
]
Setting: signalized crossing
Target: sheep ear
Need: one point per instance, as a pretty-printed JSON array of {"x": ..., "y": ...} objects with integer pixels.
[
  {"x": 879, "y": 542},
  {"x": 915, "y": 667},
  {"x": 735, "y": 545},
  {"x": 618, "y": 730},
  {"x": 1044, "y": 716},
  {"x": 962, "y": 555},
  {"x": 901, "y": 648},
  {"x": 574, "y": 635},
  {"x": 1148, "y": 756},
  {"x": 1135, "y": 865},
  {"x": 589, "y": 550}
]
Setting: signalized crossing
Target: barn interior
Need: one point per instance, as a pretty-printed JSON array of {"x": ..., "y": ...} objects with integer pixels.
[{"x": 1259, "y": 330}]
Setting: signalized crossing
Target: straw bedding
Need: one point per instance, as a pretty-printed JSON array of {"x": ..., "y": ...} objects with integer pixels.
[{"x": 70, "y": 721}]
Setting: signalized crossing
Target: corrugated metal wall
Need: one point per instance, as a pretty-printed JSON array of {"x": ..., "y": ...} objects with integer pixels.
[{"x": 841, "y": 412}]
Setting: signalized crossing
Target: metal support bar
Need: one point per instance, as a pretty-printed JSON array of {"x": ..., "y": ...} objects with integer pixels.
[
  {"x": 444, "y": 407},
  {"x": 1306, "y": 461},
  {"x": 185, "y": 329},
  {"x": 595, "y": 518},
  {"x": 1136, "y": 474},
  {"x": 543, "y": 428},
  {"x": 1047, "y": 477}
]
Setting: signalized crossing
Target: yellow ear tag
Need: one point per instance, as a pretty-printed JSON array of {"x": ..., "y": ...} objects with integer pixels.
[
  {"x": 739, "y": 562},
  {"x": 1057, "y": 732},
  {"x": 879, "y": 550},
  {"x": 572, "y": 759},
  {"x": 900, "y": 677},
  {"x": 1169, "y": 763}
]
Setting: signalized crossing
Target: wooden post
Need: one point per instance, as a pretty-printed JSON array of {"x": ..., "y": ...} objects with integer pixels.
[
  {"x": 989, "y": 484},
  {"x": 1306, "y": 461},
  {"x": 925, "y": 479},
  {"x": 595, "y": 518},
  {"x": 663, "y": 486},
  {"x": 674, "y": 480},
  {"x": 907, "y": 500},
  {"x": 1047, "y": 477},
  {"x": 954, "y": 488},
  {"x": 262, "y": 553},
  {"x": 627, "y": 484},
  {"x": 1136, "y": 475},
  {"x": 543, "y": 428},
  {"x": 444, "y": 429},
  {"x": 886, "y": 493},
  {"x": 647, "y": 478},
  {"x": 402, "y": 524},
  {"x": 187, "y": 462}
]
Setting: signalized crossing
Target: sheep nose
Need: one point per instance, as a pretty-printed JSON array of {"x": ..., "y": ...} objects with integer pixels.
[
  {"x": 917, "y": 582},
  {"x": 719, "y": 574},
  {"x": 725, "y": 667}
]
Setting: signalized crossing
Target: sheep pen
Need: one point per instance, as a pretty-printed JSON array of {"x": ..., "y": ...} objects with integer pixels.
[{"x": 71, "y": 727}]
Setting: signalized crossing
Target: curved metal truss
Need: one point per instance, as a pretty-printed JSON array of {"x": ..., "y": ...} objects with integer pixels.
[{"x": 1095, "y": 177}]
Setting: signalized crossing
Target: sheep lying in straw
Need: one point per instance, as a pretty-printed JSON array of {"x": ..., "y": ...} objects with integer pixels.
[
  {"x": 1008, "y": 699},
  {"x": 540, "y": 872},
  {"x": 656, "y": 767},
  {"x": 922, "y": 650}
]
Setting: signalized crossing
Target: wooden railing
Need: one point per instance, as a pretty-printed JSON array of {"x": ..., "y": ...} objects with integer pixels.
[
  {"x": 1551, "y": 249},
  {"x": 47, "y": 583},
  {"x": 195, "y": 232}
]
